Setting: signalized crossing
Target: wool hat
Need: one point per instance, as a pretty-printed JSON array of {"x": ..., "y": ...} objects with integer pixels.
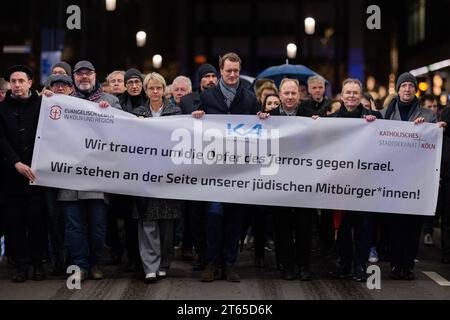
[
  {"x": 133, "y": 73},
  {"x": 83, "y": 64},
  {"x": 60, "y": 78},
  {"x": 65, "y": 66},
  {"x": 204, "y": 69},
  {"x": 406, "y": 77},
  {"x": 19, "y": 68}
]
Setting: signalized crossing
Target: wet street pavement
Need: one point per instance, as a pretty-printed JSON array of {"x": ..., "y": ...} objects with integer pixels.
[{"x": 432, "y": 283}]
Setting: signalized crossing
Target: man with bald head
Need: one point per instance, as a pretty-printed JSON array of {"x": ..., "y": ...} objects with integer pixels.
[{"x": 292, "y": 225}]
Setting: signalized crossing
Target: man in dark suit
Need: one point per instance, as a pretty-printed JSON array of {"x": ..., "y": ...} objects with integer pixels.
[
  {"x": 293, "y": 234},
  {"x": 224, "y": 220}
]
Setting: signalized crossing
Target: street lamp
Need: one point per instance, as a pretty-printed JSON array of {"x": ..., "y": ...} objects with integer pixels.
[
  {"x": 141, "y": 38},
  {"x": 110, "y": 5},
  {"x": 310, "y": 26},
  {"x": 291, "y": 50},
  {"x": 157, "y": 61}
]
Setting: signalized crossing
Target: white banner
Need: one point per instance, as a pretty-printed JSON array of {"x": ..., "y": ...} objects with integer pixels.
[{"x": 349, "y": 164}]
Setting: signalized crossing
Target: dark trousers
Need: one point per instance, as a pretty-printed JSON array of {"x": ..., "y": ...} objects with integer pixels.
[
  {"x": 293, "y": 236},
  {"x": 26, "y": 228},
  {"x": 223, "y": 234},
  {"x": 255, "y": 218},
  {"x": 187, "y": 242},
  {"x": 2, "y": 215},
  {"x": 122, "y": 207},
  {"x": 55, "y": 227},
  {"x": 326, "y": 230},
  {"x": 198, "y": 220},
  {"x": 354, "y": 250},
  {"x": 444, "y": 211},
  {"x": 260, "y": 230},
  {"x": 85, "y": 222},
  {"x": 428, "y": 225},
  {"x": 405, "y": 237}
]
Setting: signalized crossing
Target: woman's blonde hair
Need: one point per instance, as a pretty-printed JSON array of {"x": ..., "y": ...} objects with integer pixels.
[{"x": 154, "y": 76}]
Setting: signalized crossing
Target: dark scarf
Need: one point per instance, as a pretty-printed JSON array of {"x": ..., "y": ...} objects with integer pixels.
[
  {"x": 93, "y": 95},
  {"x": 407, "y": 109},
  {"x": 129, "y": 103},
  {"x": 344, "y": 113}
]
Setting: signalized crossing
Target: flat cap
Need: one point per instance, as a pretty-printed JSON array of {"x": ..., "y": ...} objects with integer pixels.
[
  {"x": 83, "y": 64},
  {"x": 60, "y": 78}
]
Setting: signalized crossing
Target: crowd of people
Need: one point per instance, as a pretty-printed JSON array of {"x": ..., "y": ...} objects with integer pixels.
[{"x": 71, "y": 227}]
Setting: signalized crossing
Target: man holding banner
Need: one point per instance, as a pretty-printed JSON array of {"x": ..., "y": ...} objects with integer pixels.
[
  {"x": 224, "y": 220},
  {"x": 405, "y": 229},
  {"x": 283, "y": 161},
  {"x": 24, "y": 204},
  {"x": 353, "y": 253},
  {"x": 85, "y": 211},
  {"x": 293, "y": 226}
]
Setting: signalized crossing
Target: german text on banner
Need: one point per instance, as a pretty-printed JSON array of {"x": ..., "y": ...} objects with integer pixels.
[{"x": 348, "y": 164}]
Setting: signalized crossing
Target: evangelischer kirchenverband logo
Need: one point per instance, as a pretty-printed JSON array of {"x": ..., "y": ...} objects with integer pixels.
[
  {"x": 56, "y": 113},
  {"x": 403, "y": 139}
]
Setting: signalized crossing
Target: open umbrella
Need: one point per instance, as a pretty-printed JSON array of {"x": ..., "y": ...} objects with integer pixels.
[
  {"x": 296, "y": 71},
  {"x": 247, "y": 81}
]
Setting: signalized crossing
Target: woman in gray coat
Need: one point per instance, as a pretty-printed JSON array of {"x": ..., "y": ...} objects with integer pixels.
[{"x": 156, "y": 216}]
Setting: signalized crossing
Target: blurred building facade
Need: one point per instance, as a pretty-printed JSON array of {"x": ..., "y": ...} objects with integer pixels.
[{"x": 188, "y": 33}]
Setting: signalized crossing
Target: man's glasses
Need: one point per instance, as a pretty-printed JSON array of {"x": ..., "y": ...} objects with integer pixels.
[
  {"x": 134, "y": 83},
  {"x": 84, "y": 73}
]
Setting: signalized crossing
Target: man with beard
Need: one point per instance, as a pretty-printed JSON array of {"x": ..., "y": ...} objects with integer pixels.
[
  {"x": 122, "y": 205},
  {"x": 86, "y": 211},
  {"x": 208, "y": 79},
  {"x": 195, "y": 214},
  {"x": 317, "y": 102}
]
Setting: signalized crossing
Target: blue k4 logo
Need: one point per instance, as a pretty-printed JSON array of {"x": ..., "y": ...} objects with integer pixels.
[{"x": 242, "y": 130}]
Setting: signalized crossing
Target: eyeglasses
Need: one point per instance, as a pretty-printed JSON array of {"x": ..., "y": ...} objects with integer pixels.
[
  {"x": 60, "y": 84},
  {"x": 134, "y": 83}
]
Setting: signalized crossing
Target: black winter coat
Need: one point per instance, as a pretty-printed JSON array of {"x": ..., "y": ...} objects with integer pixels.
[
  {"x": 126, "y": 103},
  {"x": 213, "y": 102},
  {"x": 190, "y": 103},
  {"x": 311, "y": 107},
  {"x": 18, "y": 125},
  {"x": 359, "y": 112}
]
